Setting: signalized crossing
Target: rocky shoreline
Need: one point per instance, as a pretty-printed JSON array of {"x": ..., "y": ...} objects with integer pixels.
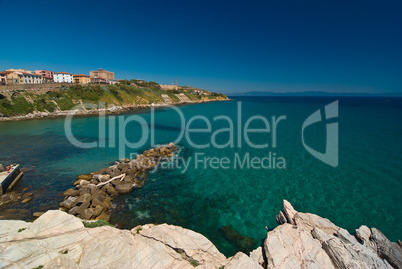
[
  {"x": 93, "y": 194},
  {"x": 302, "y": 240},
  {"x": 111, "y": 110}
]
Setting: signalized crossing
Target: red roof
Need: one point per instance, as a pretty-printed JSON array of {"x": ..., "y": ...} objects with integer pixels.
[
  {"x": 81, "y": 75},
  {"x": 63, "y": 73}
]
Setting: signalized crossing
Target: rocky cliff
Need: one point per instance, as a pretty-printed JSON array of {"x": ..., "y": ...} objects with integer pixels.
[{"x": 302, "y": 240}]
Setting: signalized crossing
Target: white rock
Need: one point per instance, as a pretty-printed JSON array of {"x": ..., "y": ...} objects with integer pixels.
[
  {"x": 290, "y": 247},
  {"x": 347, "y": 256},
  {"x": 257, "y": 256},
  {"x": 242, "y": 261}
]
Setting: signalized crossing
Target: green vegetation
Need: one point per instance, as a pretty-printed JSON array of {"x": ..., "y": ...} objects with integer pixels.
[
  {"x": 22, "y": 229},
  {"x": 127, "y": 92},
  {"x": 98, "y": 223},
  {"x": 39, "y": 267},
  {"x": 139, "y": 229},
  {"x": 194, "y": 263}
]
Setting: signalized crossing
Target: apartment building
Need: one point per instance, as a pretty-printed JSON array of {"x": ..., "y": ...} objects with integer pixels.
[
  {"x": 82, "y": 79},
  {"x": 46, "y": 74},
  {"x": 100, "y": 73},
  {"x": 63, "y": 77}
]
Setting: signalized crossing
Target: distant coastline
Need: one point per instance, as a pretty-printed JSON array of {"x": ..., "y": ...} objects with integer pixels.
[
  {"x": 83, "y": 100},
  {"x": 115, "y": 110},
  {"x": 314, "y": 94}
]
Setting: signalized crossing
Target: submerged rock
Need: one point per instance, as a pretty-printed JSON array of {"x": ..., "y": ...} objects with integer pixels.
[{"x": 242, "y": 242}]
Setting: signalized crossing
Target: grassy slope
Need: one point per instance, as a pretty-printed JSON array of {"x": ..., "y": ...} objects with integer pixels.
[{"x": 68, "y": 98}]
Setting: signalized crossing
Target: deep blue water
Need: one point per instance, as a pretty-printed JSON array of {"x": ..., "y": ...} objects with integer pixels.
[{"x": 365, "y": 188}]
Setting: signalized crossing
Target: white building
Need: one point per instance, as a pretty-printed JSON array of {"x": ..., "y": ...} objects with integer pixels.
[
  {"x": 30, "y": 78},
  {"x": 63, "y": 77}
]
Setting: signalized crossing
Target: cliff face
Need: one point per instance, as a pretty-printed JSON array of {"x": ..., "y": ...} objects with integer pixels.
[{"x": 303, "y": 240}]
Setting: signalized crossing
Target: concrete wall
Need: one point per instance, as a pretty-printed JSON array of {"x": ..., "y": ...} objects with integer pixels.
[{"x": 33, "y": 87}]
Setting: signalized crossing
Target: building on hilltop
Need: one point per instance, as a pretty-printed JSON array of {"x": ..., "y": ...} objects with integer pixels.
[
  {"x": 20, "y": 70},
  {"x": 45, "y": 73},
  {"x": 63, "y": 77},
  {"x": 3, "y": 78},
  {"x": 82, "y": 79},
  {"x": 16, "y": 77},
  {"x": 100, "y": 73},
  {"x": 99, "y": 80},
  {"x": 48, "y": 79},
  {"x": 30, "y": 78}
]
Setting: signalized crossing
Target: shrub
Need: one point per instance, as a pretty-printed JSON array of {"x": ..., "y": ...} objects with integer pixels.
[
  {"x": 194, "y": 263},
  {"x": 98, "y": 223}
]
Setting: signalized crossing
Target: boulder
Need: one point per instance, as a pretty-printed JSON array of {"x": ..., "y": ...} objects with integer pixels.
[
  {"x": 111, "y": 190},
  {"x": 103, "y": 216},
  {"x": 124, "y": 160},
  {"x": 86, "y": 197},
  {"x": 363, "y": 234},
  {"x": 122, "y": 166},
  {"x": 97, "y": 210},
  {"x": 71, "y": 192},
  {"x": 81, "y": 210},
  {"x": 38, "y": 214},
  {"x": 124, "y": 188},
  {"x": 138, "y": 183},
  {"x": 73, "y": 211},
  {"x": 85, "y": 177},
  {"x": 242, "y": 261},
  {"x": 102, "y": 200},
  {"x": 104, "y": 178},
  {"x": 84, "y": 190},
  {"x": 70, "y": 202}
]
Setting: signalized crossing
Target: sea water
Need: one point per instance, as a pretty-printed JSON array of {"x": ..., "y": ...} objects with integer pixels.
[{"x": 363, "y": 189}]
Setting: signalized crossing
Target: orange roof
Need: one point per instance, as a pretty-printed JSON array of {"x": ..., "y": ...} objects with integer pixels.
[{"x": 81, "y": 75}]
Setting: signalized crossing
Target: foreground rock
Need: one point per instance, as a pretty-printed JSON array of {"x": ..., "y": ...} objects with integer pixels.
[
  {"x": 93, "y": 194},
  {"x": 304, "y": 240},
  {"x": 59, "y": 240}
]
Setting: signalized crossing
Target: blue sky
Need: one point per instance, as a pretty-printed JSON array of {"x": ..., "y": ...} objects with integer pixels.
[{"x": 226, "y": 46}]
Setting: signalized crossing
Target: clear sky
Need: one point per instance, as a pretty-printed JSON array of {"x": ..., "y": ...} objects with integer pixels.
[{"x": 226, "y": 46}]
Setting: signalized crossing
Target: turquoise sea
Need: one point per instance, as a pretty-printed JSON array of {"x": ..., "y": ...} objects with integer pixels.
[{"x": 365, "y": 188}]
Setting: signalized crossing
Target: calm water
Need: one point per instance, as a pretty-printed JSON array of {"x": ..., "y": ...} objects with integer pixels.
[{"x": 365, "y": 188}]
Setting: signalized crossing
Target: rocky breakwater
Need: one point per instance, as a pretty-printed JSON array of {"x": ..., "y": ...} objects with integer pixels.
[{"x": 93, "y": 194}]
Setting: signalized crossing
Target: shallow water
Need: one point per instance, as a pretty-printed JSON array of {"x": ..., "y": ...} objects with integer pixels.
[{"x": 365, "y": 188}]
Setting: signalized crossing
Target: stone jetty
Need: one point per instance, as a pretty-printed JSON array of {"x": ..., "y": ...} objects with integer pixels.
[{"x": 93, "y": 193}]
